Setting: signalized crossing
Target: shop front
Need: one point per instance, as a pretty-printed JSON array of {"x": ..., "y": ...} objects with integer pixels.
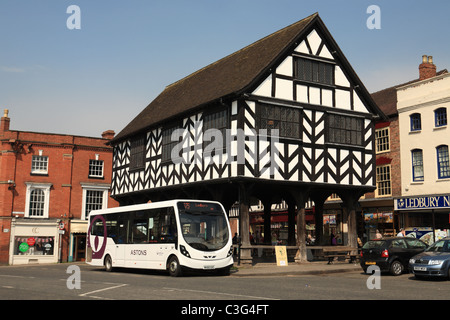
[
  {"x": 33, "y": 242},
  {"x": 279, "y": 227},
  {"x": 425, "y": 217},
  {"x": 378, "y": 222}
]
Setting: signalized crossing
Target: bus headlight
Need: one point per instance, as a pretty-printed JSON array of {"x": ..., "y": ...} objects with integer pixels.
[{"x": 184, "y": 251}]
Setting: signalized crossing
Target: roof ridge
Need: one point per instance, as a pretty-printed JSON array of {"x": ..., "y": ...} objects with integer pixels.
[{"x": 312, "y": 16}]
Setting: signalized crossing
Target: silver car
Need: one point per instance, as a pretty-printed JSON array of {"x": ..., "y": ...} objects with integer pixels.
[{"x": 433, "y": 262}]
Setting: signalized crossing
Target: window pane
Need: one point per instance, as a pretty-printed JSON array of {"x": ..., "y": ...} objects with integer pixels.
[
  {"x": 315, "y": 71},
  {"x": 344, "y": 129},
  {"x": 443, "y": 162},
  {"x": 37, "y": 202},
  {"x": 94, "y": 200}
]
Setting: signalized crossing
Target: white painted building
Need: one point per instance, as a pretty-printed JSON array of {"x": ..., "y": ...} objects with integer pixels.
[{"x": 423, "y": 108}]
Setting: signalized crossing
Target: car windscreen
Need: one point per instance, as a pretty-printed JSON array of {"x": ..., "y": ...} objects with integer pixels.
[
  {"x": 440, "y": 246},
  {"x": 374, "y": 244}
]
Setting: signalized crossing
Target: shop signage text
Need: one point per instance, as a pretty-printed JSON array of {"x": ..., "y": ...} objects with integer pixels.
[{"x": 434, "y": 202}]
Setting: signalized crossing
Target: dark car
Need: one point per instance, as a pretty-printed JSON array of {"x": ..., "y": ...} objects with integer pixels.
[
  {"x": 433, "y": 262},
  {"x": 390, "y": 254}
]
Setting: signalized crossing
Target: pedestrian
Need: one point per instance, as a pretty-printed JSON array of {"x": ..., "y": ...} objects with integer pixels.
[
  {"x": 378, "y": 235},
  {"x": 333, "y": 239},
  {"x": 402, "y": 233}
]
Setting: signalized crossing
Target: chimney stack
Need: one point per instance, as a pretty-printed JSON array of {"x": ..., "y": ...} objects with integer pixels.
[
  {"x": 109, "y": 134},
  {"x": 4, "y": 123},
  {"x": 427, "y": 69}
]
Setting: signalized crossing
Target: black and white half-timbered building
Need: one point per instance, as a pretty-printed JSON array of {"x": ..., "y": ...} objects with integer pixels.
[{"x": 283, "y": 118}]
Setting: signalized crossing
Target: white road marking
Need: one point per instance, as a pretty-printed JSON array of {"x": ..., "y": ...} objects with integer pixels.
[
  {"x": 221, "y": 293},
  {"x": 100, "y": 290}
]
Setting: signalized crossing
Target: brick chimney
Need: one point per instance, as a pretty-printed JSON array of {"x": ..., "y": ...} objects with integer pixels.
[
  {"x": 108, "y": 134},
  {"x": 427, "y": 69},
  {"x": 4, "y": 122}
]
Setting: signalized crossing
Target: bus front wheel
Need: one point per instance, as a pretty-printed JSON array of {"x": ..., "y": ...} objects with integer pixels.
[
  {"x": 174, "y": 267},
  {"x": 108, "y": 263}
]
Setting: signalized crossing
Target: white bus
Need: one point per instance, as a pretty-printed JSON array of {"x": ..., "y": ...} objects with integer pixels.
[{"x": 168, "y": 235}]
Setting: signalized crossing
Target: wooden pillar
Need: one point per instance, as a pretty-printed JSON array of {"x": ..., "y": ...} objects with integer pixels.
[
  {"x": 350, "y": 202},
  {"x": 291, "y": 223},
  {"x": 300, "y": 198},
  {"x": 267, "y": 224},
  {"x": 244, "y": 224},
  {"x": 319, "y": 200}
]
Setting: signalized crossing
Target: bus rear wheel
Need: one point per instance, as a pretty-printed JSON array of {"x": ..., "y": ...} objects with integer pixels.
[
  {"x": 108, "y": 263},
  {"x": 174, "y": 267}
]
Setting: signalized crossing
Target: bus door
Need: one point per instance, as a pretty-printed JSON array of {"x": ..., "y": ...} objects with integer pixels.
[{"x": 121, "y": 240}]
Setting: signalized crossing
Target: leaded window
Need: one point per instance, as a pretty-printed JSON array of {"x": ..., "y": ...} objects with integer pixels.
[
  {"x": 137, "y": 153},
  {"x": 284, "y": 119},
  {"x": 315, "y": 71},
  {"x": 345, "y": 129}
]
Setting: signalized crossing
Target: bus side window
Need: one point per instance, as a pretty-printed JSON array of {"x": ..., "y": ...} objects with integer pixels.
[
  {"x": 140, "y": 231},
  {"x": 153, "y": 225},
  {"x": 123, "y": 231},
  {"x": 168, "y": 226}
]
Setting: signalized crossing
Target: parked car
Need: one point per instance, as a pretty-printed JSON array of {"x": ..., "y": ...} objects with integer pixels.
[
  {"x": 390, "y": 254},
  {"x": 433, "y": 262}
]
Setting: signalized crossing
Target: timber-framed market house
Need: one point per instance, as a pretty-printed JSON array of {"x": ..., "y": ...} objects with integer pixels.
[{"x": 295, "y": 82}]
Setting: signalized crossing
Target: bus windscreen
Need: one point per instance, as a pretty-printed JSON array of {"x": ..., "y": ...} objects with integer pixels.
[{"x": 203, "y": 225}]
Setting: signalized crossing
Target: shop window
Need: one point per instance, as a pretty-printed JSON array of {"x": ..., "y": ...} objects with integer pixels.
[
  {"x": 443, "y": 162},
  {"x": 417, "y": 164},
  {"x": 24, "y": 245}
]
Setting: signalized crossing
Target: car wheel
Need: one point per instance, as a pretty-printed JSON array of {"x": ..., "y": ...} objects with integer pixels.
[
  {"x": 108, "y": 263},
  {"x": 174, "y": 267},
  {"x": 396, "y": 268}
]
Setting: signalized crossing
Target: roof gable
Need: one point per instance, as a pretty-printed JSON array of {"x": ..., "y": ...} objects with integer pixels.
[{"x": 242, "y": 71}]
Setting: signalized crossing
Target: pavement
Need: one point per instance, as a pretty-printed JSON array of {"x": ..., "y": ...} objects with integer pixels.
[{"x": 293, "y": 268}]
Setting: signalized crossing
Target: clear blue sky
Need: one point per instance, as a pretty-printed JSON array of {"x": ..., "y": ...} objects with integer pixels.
[{"x": 100, "y": 77}]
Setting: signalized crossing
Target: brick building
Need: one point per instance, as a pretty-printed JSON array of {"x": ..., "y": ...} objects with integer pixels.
[{"x": 48, "y": 184}]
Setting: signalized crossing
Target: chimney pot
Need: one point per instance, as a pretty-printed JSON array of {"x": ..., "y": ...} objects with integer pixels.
[
  {"x": 109, "y": 134},
  {"x": 427, "y": 69},
  {"x": 4, "y": 123}
]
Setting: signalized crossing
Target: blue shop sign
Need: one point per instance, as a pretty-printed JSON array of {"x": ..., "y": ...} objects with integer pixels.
[{"x": 426, "y": 202}]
